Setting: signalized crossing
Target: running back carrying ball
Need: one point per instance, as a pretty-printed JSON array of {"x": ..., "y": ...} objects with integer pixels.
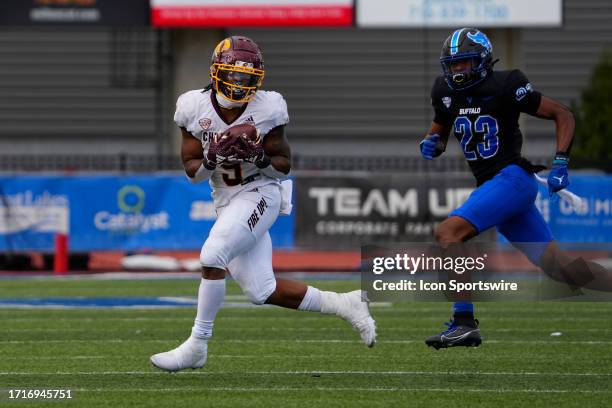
[{"x": 223, "y": 128}]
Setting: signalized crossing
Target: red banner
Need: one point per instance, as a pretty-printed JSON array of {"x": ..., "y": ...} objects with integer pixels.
[{"x": 339, "y": 15}]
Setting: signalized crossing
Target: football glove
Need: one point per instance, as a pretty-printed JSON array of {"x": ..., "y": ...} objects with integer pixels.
[
  {"x": 558, "y": 178},
  {"x": 218, "y": 152},
  {"x": 256, "y": 153},
  {"x": 428, "y": 146}
]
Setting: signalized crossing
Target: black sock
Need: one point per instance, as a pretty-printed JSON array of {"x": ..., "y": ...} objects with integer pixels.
[{"x": 464, "y": 319}]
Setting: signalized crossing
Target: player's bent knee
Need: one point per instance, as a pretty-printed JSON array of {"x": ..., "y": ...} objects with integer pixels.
[
  {"x": 259, "y": 297},
  {"x": 260, "y": 294},
  {"x": 214, "y": 255},
  {"x": 256, "y": 298}
]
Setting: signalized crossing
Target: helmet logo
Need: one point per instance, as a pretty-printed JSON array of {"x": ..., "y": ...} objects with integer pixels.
[
  {"x": 223, "y": 46},
  {"x": 481, "y": 39}
]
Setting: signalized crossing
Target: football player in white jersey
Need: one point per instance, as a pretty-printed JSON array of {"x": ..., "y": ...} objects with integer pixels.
[{"x": 233, "y": 135}]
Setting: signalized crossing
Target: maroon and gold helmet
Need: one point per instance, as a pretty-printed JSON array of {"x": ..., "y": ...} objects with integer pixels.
[{"x": 237, "y": 68}]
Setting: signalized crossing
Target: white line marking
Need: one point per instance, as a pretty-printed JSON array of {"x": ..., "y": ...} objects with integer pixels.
[
  {"x": 19, "y": 358},
  {"x": 179, "y": 276},
  {"x": 297, "y": 317},
  {"x": 305, "y": 329},
  {"x": 138, "y": 357},
  {"x": 547, "y": 342},
  {"x": 387, "y": 373},
  {"x": 301, "y": 318},
  {"x": 368, "y": 389}
]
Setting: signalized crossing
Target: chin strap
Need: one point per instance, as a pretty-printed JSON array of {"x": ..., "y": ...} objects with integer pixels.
[{"x": 226, "y": 103}]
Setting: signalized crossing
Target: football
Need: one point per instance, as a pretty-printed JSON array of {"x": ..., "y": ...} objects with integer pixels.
[
  {"x": 245, "y": 131},
  {"x": 239, "y": 141}
]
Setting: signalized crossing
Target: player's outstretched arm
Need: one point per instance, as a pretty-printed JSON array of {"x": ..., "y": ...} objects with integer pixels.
[
  {"x": 276, "y": 158},
  {"x": 192, "y": 156},
  {"x": 434, "y": 143},
  {"x": 558, "y": 178},
  {"x": 564, "y": 120}
]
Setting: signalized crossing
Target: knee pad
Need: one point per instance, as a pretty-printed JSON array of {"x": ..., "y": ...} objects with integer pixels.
[{"x": 214, "y": 255}]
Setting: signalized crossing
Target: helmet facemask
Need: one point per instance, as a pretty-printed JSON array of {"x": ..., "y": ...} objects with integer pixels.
[
  {"x": 465, "y": 78},
  {"x": 237, "y": 69},
  {"x": 466, "y": 44},
  {"x": 236, "y": 82}
]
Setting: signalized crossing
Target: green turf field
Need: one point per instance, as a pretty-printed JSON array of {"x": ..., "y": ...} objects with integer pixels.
[{"x": 269, "y": 357}]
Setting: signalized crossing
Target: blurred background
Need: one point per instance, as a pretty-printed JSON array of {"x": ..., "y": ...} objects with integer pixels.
[{"x": 89, "y": 153}]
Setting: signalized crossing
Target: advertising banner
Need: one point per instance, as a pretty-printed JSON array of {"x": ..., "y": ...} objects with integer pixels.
[
  {"x": 112, "y": 13},
  {"x": 252, "y": 13},
  {"x": 111, "y": 213},
  {"x": 589, "y": 222},
  {"x": 355, "y": 209},
  {"x": 459, "y": 13}
]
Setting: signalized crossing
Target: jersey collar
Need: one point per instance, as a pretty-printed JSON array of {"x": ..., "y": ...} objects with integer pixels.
[{"x": 215, "y": 105}]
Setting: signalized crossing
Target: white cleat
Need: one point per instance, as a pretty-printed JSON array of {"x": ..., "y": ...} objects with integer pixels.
[
  {"x": 191, "y": 354},
  {"x": 355, "y": 311}
]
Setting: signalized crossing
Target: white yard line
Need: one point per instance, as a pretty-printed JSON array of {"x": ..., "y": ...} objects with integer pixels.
[
  {"x": 301, "y": 317},
  {"x": 544, "y": 332},
  {"x": 138, "y": 357},
  {"x": 165, "y": 275},
  {"x": 557, "y": 341},
  {"x": 332, "y": 389},
  {"x": 298, "y": 373}
]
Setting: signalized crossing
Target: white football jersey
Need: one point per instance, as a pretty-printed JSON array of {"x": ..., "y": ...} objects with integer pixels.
[{"x": 196, "y": 112}]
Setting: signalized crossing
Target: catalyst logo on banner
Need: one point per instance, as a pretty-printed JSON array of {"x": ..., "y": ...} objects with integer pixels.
[{"x": 131, "y": 202}]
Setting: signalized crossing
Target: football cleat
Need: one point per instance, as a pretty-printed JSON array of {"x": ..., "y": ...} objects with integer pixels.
[
  {"x": 355, "y": 311},
  {"x": 191, "y": 354},
  {"x": 456, "y": 335}
]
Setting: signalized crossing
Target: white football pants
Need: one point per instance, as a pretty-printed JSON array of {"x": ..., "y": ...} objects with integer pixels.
[{"x": 239, "y": 241}]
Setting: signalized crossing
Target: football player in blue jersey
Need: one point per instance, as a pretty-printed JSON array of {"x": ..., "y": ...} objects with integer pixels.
[{"x": 481, "y": 108}]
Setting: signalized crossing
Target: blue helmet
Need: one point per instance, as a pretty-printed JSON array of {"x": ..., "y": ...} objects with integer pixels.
[{"x": 466, "y": 44}]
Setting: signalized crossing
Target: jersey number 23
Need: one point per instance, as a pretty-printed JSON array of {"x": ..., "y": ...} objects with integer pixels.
[{"x": 484, "y": 128}]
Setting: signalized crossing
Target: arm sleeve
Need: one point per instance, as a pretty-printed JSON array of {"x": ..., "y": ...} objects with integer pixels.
[{"x": 521, "y": 94}]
